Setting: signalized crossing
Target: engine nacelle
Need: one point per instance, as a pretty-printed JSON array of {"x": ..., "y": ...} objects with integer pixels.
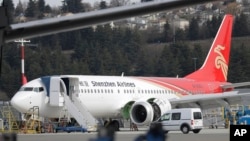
[{"x": 144, "y": 112}]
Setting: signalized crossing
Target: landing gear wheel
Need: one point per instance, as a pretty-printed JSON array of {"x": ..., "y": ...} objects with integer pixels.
[{"x": 115, "y": 125}]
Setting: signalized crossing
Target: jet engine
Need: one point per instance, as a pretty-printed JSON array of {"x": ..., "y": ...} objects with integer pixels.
[{"x": 144, "y": 112}]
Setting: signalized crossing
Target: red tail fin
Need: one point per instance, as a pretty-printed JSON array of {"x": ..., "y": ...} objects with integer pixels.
[{"x": 215, "y": 67}]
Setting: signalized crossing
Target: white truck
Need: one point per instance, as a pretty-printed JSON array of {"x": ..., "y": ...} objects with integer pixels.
[{"x": 184, "y": 119}]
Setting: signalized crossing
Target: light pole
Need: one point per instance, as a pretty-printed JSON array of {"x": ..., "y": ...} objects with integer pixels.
[
  {"x": 23, "y": 77},
  {"x": 195, "y": 63}
]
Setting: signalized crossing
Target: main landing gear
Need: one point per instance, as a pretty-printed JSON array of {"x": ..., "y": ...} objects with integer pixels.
[{"x": 112, "y": 124}]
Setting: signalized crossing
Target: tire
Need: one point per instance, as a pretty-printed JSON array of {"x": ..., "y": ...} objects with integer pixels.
[
  {"x": 185, "y": 129},
  {"x": 196, "y": 131},
  {"x": 115, "y": 125}
]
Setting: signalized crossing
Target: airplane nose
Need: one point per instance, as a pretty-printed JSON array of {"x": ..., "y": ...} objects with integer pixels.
[{"x": 20, "y": 102}]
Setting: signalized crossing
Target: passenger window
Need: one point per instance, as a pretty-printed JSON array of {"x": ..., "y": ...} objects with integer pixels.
[
  {"x": 176, "y": 116},
  {"x": 165, "y": 117}
]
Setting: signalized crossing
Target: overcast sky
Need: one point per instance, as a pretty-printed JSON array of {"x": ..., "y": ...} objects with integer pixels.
[{"x": 59, "y": 2}]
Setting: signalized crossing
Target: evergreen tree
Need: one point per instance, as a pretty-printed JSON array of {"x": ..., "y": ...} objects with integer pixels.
[
  {"x": 80, "y": 50},
  {"x": 167, "y": 34},
  {"x": 145, "y": 63},
  {"x": 241, "y": 27},
  {"x": 47, "y": 9},
  {"x": 103, "y": 5},
  {"x": 19, "y": 9},
  {"x": 74, "y": 6},
  {"x": 10, "y": 9},
  {"x": 31, "y": 9},
  {"x": 41, "y": 8},
  {"x": 163, "y": 66},
  {"x": 214, "y": 25},
  {"x": 193, "y": 30},
  {"x": 199, "y": 53},
  {"x": 237, "y": 67},
  {"x": 180, "y": 35}
]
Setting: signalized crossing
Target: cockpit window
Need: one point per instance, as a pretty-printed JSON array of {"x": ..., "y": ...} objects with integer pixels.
[
  {"x": 41, "y": 89},
  {"x": 35, "y": 89}
]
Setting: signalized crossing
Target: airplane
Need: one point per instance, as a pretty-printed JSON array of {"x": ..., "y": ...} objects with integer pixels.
[{"x": 141, "y": 99}]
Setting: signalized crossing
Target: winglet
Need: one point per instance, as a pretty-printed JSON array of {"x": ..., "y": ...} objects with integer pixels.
[{"x": 215, "y": 67}]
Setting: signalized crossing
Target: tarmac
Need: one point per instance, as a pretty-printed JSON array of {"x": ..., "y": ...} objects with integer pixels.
[{"x": 125, "y": 134}]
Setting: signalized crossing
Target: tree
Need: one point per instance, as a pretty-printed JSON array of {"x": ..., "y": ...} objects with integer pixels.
[
  {"x": 19, "y": 9},
  {"x": 238, "y": 66},
  {"x": 164, "y": 62},
  {"x": 74, "y": 6},
  {"x": 167, "y": 33},
  {"x": 241, "y": 26},
  {"x": 31, "y": 9},
  {"x": 193, "y": 30},
  {"x": 143, "y": 66},
  {"x": 103, "y": 5},
  {"x": 41, "y": 8},
  {"x": 180, "y": 35},
  {"x": 10, "y": 9},
  {"x": 47, "y": 9},
  {"x": 214, "y": 25}
]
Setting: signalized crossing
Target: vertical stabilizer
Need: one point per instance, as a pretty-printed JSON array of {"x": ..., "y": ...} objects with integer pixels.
[{"x": 215, "y": 67}]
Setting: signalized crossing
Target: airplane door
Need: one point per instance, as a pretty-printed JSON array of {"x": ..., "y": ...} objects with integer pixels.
[
  {"x": 55, "y": 91},
  {"x": 73, "y": 88}
]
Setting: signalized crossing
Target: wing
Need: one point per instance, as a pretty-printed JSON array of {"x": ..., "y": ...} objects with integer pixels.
[
  {"x": 207, "y": 101},
  {"x": 78, "y": 21},
  {"x": 235, "y": 85}
]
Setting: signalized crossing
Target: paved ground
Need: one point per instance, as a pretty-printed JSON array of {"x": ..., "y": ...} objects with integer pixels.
[{"x": 126, "y": 135}]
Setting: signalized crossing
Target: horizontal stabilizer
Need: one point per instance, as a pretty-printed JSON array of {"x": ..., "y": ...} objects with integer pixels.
[{"x": 234, "y": 85}]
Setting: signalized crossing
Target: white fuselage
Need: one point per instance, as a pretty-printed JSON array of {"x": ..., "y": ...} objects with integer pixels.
[{"x": 104, "y": 96}]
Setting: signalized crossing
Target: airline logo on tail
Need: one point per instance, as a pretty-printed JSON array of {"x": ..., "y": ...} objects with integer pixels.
[
  {"x": 220, "y": 61},
  {"x": 215, "y": 67}
]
